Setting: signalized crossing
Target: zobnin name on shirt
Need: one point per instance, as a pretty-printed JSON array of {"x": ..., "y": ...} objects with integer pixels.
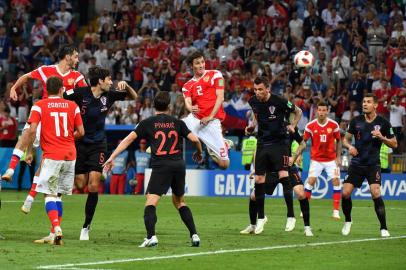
[{"x": 58, "y": 105}]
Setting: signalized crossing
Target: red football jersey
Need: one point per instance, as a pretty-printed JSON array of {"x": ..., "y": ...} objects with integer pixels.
[
  {"x": 71, "y": 79},
  {"x": 323, "y": 139},
  {"x": 202, "y": 91},
  {"x": 58, "y": 118}
]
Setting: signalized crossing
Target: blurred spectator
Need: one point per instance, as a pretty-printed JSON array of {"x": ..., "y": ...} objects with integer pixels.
[
  {"x": 129, "y": 117},
  {"x": 356, "y": 89},
  {"x": 296, "y": 26},
  {"x": 8, "y": 129},
  {"x": 182, "y": 76},
  {"x": 165, "y": 75},
  {"x": 146, "y": 110},
  {"x": 351, "y": 113},
  {"x": 44, "y": 55},
  {"x": 397, "y": 117},
  {"x": 6, "y": 49},
  {"x": 376, "y": 37},
  {"x": 317, "y": 86},
  {"x": 341, "y": 65},
  {"x": 149, "y": 89},
  {"x": 64, "y": 16},
  {"x": 384, "y": 95},
  {"x": 39, "y": 34},
  {"x": 142, "y": 160}
]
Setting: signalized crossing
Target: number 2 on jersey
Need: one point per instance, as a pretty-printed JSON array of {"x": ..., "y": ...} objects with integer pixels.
[
  {"x": 64, "y": 117},
  {"x": 172, "y": 133},
  {"x": 199, "y": 90}
]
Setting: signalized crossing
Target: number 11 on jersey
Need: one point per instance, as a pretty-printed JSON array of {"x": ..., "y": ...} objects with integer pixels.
[{"x": 64, "y": 117}]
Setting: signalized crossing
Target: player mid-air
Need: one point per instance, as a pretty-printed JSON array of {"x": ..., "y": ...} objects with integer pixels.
[{"x": 204, "y": 97}]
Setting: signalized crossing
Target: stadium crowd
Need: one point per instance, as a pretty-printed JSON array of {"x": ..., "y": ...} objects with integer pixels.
[{"x": 359, "y": 47}]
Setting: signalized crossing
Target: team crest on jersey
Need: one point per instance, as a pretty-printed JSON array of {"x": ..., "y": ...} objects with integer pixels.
[
  {"x": 103, "y": 100},
  {"x": 377, "y": 127},
  {"x": 71, "y": 81},
  {"x": 272, "y": 109},
  {"x": 206, "y": 79},
  {"x": 329, "y": 130}
]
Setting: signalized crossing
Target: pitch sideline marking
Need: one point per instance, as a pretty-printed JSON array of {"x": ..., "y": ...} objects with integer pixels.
[{"x": 72, "y": 265}]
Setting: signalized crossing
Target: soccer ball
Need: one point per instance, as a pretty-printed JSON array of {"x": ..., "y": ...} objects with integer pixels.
[{"x": 304, "y": 59}]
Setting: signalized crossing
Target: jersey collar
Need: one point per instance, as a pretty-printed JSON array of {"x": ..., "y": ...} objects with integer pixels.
[
  {"x": 196, "y": 79},
  {"x": 59, "y": 71}
]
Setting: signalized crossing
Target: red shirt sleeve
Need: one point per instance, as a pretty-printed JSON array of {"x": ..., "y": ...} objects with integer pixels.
[
  {"x": 219, "y": 83},
  {"x": 307, "y": 134},
  {"x": 35, "y": 116},
  {"x": 186, "y": 91},
  {"x": 80, "y": 81},
  {"x": 36, "y": 74},
  {"x": 336, "y": 133}
]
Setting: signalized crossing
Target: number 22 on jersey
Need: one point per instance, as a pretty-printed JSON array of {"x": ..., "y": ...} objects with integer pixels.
[{"x": 160, "y": 134}]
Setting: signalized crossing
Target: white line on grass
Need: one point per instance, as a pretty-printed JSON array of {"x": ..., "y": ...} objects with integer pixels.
[{"x": 73, "y": 265}]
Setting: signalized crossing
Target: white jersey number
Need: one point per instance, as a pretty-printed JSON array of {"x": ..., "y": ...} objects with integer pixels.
[{"x": 64, "y": 117}]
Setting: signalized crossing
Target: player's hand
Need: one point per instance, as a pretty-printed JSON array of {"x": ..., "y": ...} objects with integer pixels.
[
  {"x": 249, "y": 130},
  {"x": 290, "y": 128},
  {"x": 251, "y": 175},
  {"x": 108, "y": 165},
  {"x": 28, "y": 159},
  {"x": 353, "y": 151},
  {"x": 377, "y": 134},
  {"x": 13, "y": 94},
  {"x": 204, "y": 121},
  {"x": 122, "y": 85},
  {"x": 197, "y": 157},
  {"x": 195, "y": 109}
]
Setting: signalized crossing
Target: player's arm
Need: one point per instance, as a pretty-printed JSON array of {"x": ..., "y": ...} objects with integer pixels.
[
  {"x": 73, "y": 94},
  {"x": 250, "y": 128},
  {"x": 197, "y": 156},
  {"x": 120, "y": 148},
  {"x": 339, "y": 149},
  {"x": 297, "y": 115},
  {"x": 299, "y": 151},
  {"x": 124, "y": 86},
  {"x": 389, "y": 139},
  {"x": 347, "y": 144},
  {"x": 20, "y": 82},
  {"x": 79, "y": 129}
]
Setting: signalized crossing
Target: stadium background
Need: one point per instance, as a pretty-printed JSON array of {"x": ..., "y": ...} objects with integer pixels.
[{"x": 359, "y": 47}]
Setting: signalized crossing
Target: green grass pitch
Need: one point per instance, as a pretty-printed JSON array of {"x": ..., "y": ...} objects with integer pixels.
[{"x": 118, "y": 229}]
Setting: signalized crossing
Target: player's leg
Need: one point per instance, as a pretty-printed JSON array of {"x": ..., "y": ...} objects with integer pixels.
[
  {"x": 212, "y": 137},
  {"x": 187, "y": 218},
  {"x": 29, "y": 200},
  {"x": 47, "y": 185},
  {"x": 18, "y": 152},
  {"x": 157, "y": 186},
  {"x": 374, "y": 180},
  {"x": 91, "y": 203},
  {"x": 315, "y": 170},
  {"x": 304, "y": 207},
  {"x": 253, "y": 212},
  {"x": 261, "y": 165},
  {"x": 333, "y": 174}
]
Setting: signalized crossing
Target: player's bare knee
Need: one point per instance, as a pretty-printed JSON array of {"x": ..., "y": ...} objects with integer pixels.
[
  {"x": 336, "y": 182},
  {"x": 260, "y": 179},
  {"x": 282, "y": 174},
  {"x": 311, "y": 180},
  {"x": 375, "y": 192},
  {"x": 223, "y": 164},
  {"x": 152, "y": 199}
]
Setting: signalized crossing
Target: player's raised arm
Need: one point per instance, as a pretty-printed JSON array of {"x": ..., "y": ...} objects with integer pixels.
[
  {"x": 299, "y": 151},
  {"x": 20, "y": 82},
  {"x": 120, "y": 148},
  {"x": 297, "y": 115},
  {"x": 124, "y": 86}
]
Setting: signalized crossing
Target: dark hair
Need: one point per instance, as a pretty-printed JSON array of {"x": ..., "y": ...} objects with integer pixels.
[
  {"x": 262, "y": 79},
  {"x": 370, "y": 95},
  {"x": 193, "y": 56},
  {"x": 97, "y": 73},
  {"x": 54, "y": 84},
  {"x": 161, "y": 101},
  {"x": 66, "y": 50},
  {"x": 322, "y": 104}
]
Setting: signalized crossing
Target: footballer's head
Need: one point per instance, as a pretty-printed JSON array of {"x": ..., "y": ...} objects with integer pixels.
[
  {"x": 196, "y": 61},
  {"x": 70, "y": 54},
  {"x": 322, "y": 111},
  {"x": 369, "y": 103},
  {"x": 162, "y": 101},
  {"x": 261, "y": 88},
  {"x": 100, "y": 77},
  {"x": 54, "y": 86}
]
